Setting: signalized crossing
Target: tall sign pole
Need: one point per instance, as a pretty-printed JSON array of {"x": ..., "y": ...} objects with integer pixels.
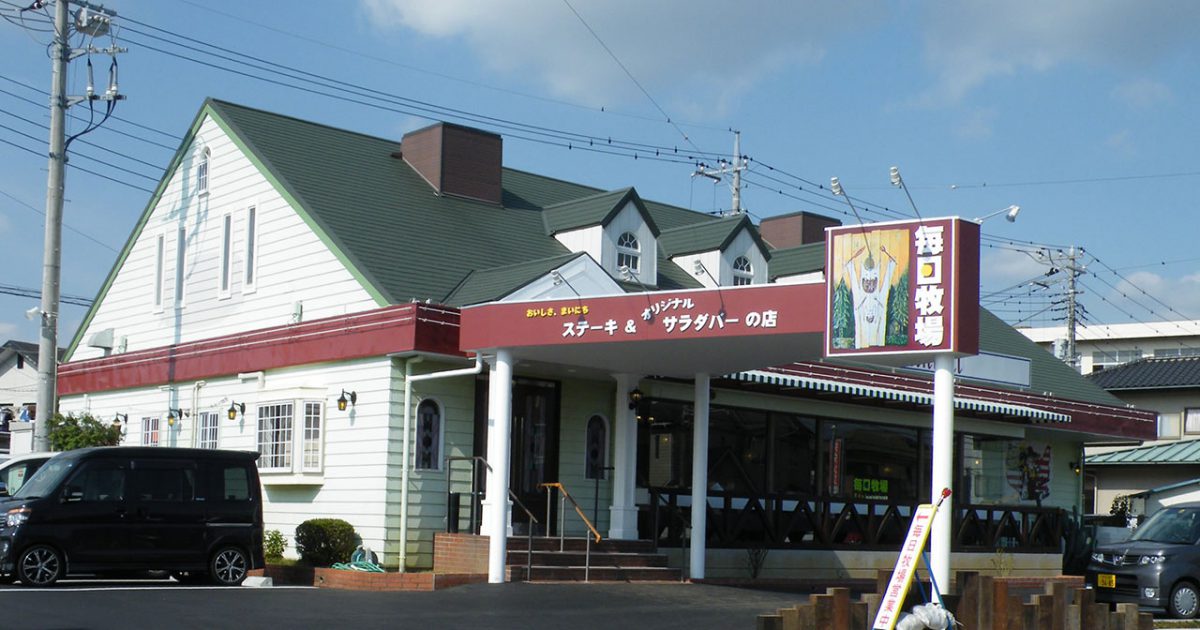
[
  {"x": 902, "y": 293},
  {"x": 52, "y": 254}
]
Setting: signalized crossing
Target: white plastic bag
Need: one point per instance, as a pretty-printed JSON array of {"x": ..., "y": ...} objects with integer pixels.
[{"x": 929, "y": 616}]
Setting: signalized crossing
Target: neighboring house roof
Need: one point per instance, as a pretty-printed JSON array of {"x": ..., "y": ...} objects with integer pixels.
[
  {"x": 25, "y": 349},
  {"x": 598, "y": 209},
  {"x": 488, "y": 285},
  {"x": 1182, "y": 452},
  {"x": 794, "y": 261},
  {"x": 708, "y": 236},
  {"x": 1164, "y": 373},
  {"x": 1167, "y": 488}
]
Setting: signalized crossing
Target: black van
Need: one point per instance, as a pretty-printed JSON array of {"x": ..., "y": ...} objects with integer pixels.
[{"x": 192, "y": 512}]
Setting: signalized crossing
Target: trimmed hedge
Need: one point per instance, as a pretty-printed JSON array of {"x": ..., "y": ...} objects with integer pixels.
[{"x": 324, "y": 541}]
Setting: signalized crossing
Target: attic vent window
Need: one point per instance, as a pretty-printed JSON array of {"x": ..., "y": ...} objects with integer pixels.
[
  {"x": 743, "y": 273},
  {"x": 629, "y": 252},
  {"x": 202, "y": 172}
]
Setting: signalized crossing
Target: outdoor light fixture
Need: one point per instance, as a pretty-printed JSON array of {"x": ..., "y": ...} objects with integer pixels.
[
  {"x": 835, "y": 185},
  {"x": 173, "y": 416},
  {"x": 635, "y": 397},
  {"x": 346, "y": 397},
  {"x": 119, "y": 421},
  {"x": 898, "y": 182},
  {"x": 1077, "y": 467},
  {"x": 235, "y": 409},
  {"x": 556, "y": 277},
  {"x": 1010, "y": 214}
]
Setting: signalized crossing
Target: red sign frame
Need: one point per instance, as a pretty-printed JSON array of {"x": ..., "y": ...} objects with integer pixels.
[{"x": 933, "y": 264}]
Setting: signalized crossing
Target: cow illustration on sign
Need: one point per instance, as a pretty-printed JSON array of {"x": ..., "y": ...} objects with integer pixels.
[{"x": 870, "y": 298}]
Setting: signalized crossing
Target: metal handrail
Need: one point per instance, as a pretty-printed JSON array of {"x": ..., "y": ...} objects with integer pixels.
[
  {"x": 475, "y": 493},
  {"x": 528, "y": 534},
  {"x": 565, "y": 496}
]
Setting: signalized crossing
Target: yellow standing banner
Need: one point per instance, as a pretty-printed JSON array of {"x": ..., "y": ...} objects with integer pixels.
[{"x": 906, "y": 565}]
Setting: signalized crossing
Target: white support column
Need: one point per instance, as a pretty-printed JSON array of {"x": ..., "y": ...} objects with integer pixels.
[
  {"x": 699, "y": 477},
  {"x": 623, "y": 512},
  {"x": 943, "y": 467},
  {"x": 495, "y": 507}
]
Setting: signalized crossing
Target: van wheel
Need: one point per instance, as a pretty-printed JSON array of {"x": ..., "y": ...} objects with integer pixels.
[
  {"x": 228, "y": 566},
  {"x": 39, "y": 565},
  {"x": 1184, "y": 602}
]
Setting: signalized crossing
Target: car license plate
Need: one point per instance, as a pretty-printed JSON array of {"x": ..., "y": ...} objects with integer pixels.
[{"x": 1106, "y": 580}]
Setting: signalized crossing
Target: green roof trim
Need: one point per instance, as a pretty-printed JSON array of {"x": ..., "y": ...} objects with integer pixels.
[
  {"x": 597, "y": 209},
  {"x": 707, "y": 236},
  {"x": 794, "y": 261},
  {"x": 489, "y": 285},
  {"x": 1181, "y": 452}
]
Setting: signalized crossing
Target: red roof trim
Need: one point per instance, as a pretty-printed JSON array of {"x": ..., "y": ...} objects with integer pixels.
[{"x": 405, "y": 328}]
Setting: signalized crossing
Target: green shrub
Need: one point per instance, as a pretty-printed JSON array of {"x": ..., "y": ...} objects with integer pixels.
[
  {"x": 273, "y": 544},
  {"x": 324, "y": 541}
]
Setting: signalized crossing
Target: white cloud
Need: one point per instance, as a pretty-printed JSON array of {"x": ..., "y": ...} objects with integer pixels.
[
  {"x": 971, "y": 41},
  {"x": 977, "y": 125},
  {"x": 1181, "y": 294},
  {"x": 1121, "y": 142},
  {"x": 1002, "y": 268},
  {"x": 688, "y": 55},
  {"x": 1142, "y": 93}
]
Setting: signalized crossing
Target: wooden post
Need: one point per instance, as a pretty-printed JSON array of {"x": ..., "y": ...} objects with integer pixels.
[
  {"x": 986, "y": 613},
  {"x": 1085, "y": 598},
  {"x": 1000, "y": 605},
  {"x": 1061, "y": 599},
  {"x": 1045, "y": 614},
  {"x": 841, "y": 606},
  {"x": 1097, "y": 617},
  {"x": 1128, "y": 614},
  {"x": 823, "y": 617},
  {"x": 1029, "y": 616},
  {"x": 1074, "y": 620},
  {"x": 882, "y": 577},
  {"x": 860, "y": 619},
  {"x": 769, "y": 621},
  {"x": 1015, "y": 620},
  {"x": 967, "y": 610},
  {"x": 1145, "y": 621},
  {"x": 872, "y": 600},
  {"x": 791, "y": 618},
  {"x": 808, "y": 616}
]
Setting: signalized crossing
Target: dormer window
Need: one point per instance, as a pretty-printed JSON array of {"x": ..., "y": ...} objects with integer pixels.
[
  {"x": 202, "y": 173},
  {"x": 629, "y": 252},
  {"x": 743, "y": 273}
]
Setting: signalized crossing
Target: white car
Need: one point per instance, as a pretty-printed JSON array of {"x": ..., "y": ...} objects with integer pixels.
[{"x": 17, "y": 470}]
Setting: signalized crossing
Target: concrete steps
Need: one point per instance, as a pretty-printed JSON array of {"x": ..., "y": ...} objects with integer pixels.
[{"x": 611, "y": 561}]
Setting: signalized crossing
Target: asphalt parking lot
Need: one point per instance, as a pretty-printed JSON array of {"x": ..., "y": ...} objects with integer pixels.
[{"x": 165, "y": 604}]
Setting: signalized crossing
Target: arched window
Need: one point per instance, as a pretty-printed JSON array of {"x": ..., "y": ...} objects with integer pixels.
[
  {"x": 596, "y": 443},
  {"x": 743, "y": 273},
  {"x": 429, "y": 435},
  {"x": 202, "y": 172},
  {"x": 629, "y": 252}
]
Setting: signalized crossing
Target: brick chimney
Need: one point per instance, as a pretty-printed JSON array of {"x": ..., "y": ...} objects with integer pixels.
[
  {"x": 456, "y": 160},
  {"x": 795, "y": 229}
]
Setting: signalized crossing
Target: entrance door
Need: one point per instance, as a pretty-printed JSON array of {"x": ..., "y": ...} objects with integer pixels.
[{"x": 534, "y": 447}]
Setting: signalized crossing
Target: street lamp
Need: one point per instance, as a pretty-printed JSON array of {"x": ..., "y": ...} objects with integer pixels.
[{"x": 1010, "y": 214}]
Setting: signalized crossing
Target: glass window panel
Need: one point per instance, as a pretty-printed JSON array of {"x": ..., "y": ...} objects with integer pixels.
[
  {"x": 275, "y": 436},
  {"x": 871, "y": 461},
  {"x": 795, "y": 453}
]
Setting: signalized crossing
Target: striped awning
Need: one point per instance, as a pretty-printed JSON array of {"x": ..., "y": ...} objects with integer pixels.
[{"x": 888, "y": 393}]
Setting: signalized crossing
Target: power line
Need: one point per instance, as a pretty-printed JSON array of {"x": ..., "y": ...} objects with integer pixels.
[
  {"x": 1080, "y": 180},
  {"x": 74, "y": 300},
  {"x": 42, "y": 213}
]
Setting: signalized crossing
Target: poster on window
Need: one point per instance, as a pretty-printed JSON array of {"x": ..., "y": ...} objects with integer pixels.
[{"x": 1028, "y": 467}]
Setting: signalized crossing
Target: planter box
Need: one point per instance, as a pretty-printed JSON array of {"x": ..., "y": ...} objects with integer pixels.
[{"x": 364, "y": 581}]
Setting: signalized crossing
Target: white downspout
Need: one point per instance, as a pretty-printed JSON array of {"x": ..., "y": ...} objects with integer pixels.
[
  {"x": 195, "y": 411},
  {"x": 404, "y": 448}
]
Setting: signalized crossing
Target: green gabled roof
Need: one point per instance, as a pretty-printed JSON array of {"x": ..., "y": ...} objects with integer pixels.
[
  {"x": 597, "y": 209},
  {"x": 489, "y": 285},
  {"x": 399, "y": 238},
  {"x": 708, "y": 236},
  {"x": 1182, "y": 452},
  {"x": 797, "y": 260},
  {"x": 1047, "y": 373}
]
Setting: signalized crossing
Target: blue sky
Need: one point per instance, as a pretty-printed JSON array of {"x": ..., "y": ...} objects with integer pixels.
[{"x": 1080, "y": 111}]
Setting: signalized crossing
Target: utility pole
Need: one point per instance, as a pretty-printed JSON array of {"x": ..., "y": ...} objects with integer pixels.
[
  {"x": 1072, "y": 271},
  {"x": 734, "y": 168},
  {"x": 61, "y": 54}
]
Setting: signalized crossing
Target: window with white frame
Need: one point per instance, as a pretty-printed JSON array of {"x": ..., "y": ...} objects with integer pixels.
[
  {"x": 279, "y": 436},
  {"x": 226, "y": 254},
  {"x": 180, "y": 264},
  {"x": 275, "y": 436},
  {"x": 149, "y": 431},
  {"x": 202, "y": 172},
  {"x": 1191, "y": 420},
  {"x": 1109, "y": 358},
  {"x": 1160, "y": 353},
  {"x": 251, "y": 258},
  {"x": 311, "y": 440},
  {"x": 1168, "y": 426},
  {"x": 429, "y": 435},
  {"x": 596, "y": 444},
  {"x": 743, "y": 273},
  {"x": 160, "y": 244},
  {"x": 629, "y": 252},
  {"x": 210, "y": 423}
]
